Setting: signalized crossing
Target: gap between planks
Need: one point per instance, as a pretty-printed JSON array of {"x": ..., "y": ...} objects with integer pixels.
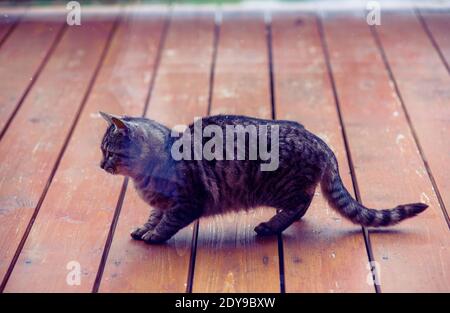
[
  {"x": 408, "y": 119},
  {"x": 61, "y": 153},
  {"x": 433, "y": 40},
  {"x": 35, "y": 77},
  {"x": 123, "y": 190},
  {"x": 345, "y": 138},
  {"x": 272, "y": 103},
  {"x": 191, "y": 270},
  {"x": 10, "y": 30}
]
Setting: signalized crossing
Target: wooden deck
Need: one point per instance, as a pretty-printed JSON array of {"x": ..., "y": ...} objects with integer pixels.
[{"x": 379, "y": 96}]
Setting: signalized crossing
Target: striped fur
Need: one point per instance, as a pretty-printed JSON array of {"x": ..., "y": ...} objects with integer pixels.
[
  {"x": 340, "y": 199},
  {"x": 180, "y": 192}
]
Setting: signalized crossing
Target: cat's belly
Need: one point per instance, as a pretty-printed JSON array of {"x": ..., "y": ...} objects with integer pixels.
[{"x": 230, "y": 202}]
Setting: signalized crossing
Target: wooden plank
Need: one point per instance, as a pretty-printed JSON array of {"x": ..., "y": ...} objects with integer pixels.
[
  {"x": 424, "y": 84},
  {"x": 8, "y": 22},
  {"x": 28, "y": 153},
  {"x": 180, "y": 94},
  {"x": 319, "y": 248},
  {"x": 5, "y": 27},
  {"x": 439, "y": 24},
  {"x": 412, "y": 256},
  {"x": 21, "y": 59},
  {"x": 230, "y": 258}
]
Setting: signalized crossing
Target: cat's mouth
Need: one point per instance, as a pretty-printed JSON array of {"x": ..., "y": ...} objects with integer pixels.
[
  {"x": 111, "y": 170},
  {"x": 108, "y": 169}
]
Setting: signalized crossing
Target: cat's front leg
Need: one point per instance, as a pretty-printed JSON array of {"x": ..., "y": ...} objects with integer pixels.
[
  {"x": 173, "y": 220},
  {"x": 153, "y": 220}
]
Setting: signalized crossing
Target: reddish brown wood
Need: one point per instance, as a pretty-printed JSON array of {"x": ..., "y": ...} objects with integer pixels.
[
  {"x": 28, "y": 153},
  {"x": 20, "y": 58},
  {"x": 230, "y": 258},
  {"x": 439, "y": 26},
  {"x": 319, "y": 250},
  {"x": 414, "y": 255},
  {"x": 322, "y": 252},
  {"x": 5, "y": 28},
  {"x": 424, "y": 83},
  {"x": 180, "y": 94},
  {"x": 8, "y": 21}
]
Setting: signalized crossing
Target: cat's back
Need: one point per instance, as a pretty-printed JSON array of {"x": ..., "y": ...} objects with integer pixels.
[
  {"x": 240, "y": 183},
  {"x": 236, "y": 120}
]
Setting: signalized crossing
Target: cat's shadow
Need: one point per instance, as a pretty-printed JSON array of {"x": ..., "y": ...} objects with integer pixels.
[
  {"x": 304, "y": 233},
  {"x": 307, "y": 232}
]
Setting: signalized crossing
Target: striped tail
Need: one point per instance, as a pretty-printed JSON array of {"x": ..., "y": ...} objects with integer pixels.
[{"x": 340, "y": 199}]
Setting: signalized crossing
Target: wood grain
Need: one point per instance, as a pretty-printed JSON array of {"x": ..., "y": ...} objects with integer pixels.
[
  {"x": 322, "y": 252},
  {"x": 230, "y": 258},
  {"x": 61, "y": 231},
  {"x": 414, "y": 255},
  {"x": 423, "y": 82},
  {"x": 319, "y": 250},
  {"x": 180, "y": 94},
  {"x": 20, "y": 59}
]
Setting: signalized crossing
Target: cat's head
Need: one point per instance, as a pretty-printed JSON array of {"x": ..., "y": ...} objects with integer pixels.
[{"x": 121, "y": 145}]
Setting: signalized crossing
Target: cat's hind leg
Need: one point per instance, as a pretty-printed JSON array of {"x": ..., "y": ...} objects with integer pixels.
[
  {"x": 153, "y": 220},
  {"x": 286, "y": 215}
]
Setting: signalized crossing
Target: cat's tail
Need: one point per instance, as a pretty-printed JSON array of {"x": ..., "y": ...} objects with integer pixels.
[{"x": 340, "y": 199}]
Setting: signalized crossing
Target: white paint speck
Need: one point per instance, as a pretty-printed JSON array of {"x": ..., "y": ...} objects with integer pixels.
[
  {"x": 424, "y": 198},
  {"x": 36, "y": 147},
  {"x": 167, "y": 98},
  {"x": 399, "y": 138},
  {"x": 71, "y": 220},
  {"x": 226, "y": 93},
  {"x": 170, "y": 52}
]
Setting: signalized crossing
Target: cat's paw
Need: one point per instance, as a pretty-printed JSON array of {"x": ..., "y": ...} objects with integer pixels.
[
  {"x": 264, "y": 230},
  {"x": 139, "y": 232},
  {"x": 153, "y": 238}
]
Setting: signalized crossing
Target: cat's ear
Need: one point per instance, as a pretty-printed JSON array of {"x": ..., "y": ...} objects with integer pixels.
[
  {"x": 107, "y": 117},
  {"x": 112, "y": 119}
]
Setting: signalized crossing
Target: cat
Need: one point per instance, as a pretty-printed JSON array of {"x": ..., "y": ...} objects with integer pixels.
[{"x": 182, "y": 190}]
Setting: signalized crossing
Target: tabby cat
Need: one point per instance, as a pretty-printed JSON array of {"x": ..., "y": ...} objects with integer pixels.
[{"x": 182, "y": 190}]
